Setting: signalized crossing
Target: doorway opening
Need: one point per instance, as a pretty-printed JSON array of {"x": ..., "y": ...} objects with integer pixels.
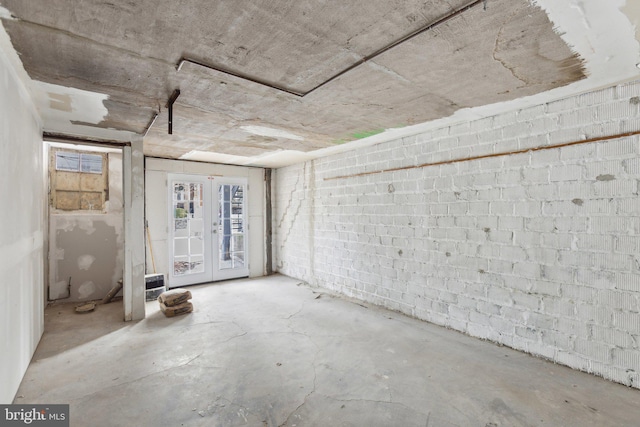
[
  {"x": 208, "y": 229},
  {"x": 85, "y": 221}
]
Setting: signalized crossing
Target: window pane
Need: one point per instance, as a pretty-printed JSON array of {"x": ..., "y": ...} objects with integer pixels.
[
  {"x": 67, "y": 161},
  {"x": 237, "y": 243},
  {"x": 180, "y": 247},
  {"x": 180, "y": 266},
  {"x": 196, "y": 228},
  {"x": 196, "y": 265},
  {"x": 238, "y": 260},
  {"x": 178, "y": 191},
  {"x": 180, "y": 211},
  {"x": 196, "y": 246},
  {"x": 180, "y": 229},
  {"x": 91, "y": 163}
]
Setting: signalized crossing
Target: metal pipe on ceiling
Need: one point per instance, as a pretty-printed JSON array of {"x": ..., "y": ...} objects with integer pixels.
[
  {"x": 361, "y": 61},
  {"x": 401, "y": 40},
  {"x": 172, "y": 99},
  {"x": 239, "y": 75}
]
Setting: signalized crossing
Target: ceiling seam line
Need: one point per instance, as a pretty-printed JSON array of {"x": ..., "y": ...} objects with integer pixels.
[
  {"x": 238, "y": 75},
  {"x": 398, "y": 42},
  {"x": 361, "y": 61},
  {"x": 90, "y": 40},
  {"x": 487, "y": 156}
]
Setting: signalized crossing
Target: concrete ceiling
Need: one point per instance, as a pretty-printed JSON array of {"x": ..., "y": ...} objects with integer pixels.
[{"x": 270, "y": 83}]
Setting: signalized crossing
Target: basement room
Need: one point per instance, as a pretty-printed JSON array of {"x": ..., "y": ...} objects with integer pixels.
[{"x": 320, "y": 213}]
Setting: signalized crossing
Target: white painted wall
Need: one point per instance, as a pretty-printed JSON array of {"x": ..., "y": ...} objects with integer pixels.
[
  {"x": 22, "y": 224},
  {"x": 88, "y": 248},
  {"x": 156, "y": 208},
  {"x": 539, "y": 251}
]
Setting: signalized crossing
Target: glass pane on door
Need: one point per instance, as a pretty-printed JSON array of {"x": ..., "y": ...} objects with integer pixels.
[
  {"x": 231, "y": 227},
  {"x": 188, "y": 231}
]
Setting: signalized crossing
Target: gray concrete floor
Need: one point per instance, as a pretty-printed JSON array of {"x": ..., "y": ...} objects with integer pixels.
[{"x": 274, "y": 352}]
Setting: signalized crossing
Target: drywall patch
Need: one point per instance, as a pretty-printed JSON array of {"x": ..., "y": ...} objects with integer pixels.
[
  {"x": 61, "y": 108},
  {"x": 85, "y": 261},
  {"x": 59, "y": 289},
  {"x": 6, "y": 14},
  {"x": 86, "y": 289},
  {"x": 86, "y": 224},
  {"x": 60, "y": 102},
  {"x": 58, "y": 254},
  {"x": 82, "y": 105}
]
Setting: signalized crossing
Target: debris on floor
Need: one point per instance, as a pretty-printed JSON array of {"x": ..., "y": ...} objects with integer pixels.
[
  {"x": 175, "y": 302},
  {"x": 86, "y": 307},
  {"x": 112, "y": 293}
]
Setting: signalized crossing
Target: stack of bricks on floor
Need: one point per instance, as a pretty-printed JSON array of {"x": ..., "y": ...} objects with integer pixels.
[{"x": 175, "y": 302}]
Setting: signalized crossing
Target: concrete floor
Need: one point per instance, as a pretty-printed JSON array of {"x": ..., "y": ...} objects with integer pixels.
[{"x": 274, "y": 352}]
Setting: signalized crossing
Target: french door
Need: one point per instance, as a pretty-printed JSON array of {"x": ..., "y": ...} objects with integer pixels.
[{"x": 207, "y": 229}]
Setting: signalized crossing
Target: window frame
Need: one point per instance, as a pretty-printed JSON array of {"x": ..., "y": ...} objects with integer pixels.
[{"x": 73, "y": 189}]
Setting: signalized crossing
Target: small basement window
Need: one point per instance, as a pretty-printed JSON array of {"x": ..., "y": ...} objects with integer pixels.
[
  {"x": 78, "y": 162},
  {"x": 79, "y": 180}
]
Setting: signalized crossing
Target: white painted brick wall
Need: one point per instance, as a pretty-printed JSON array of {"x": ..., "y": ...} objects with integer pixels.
[{"x": 539, "y": 251}]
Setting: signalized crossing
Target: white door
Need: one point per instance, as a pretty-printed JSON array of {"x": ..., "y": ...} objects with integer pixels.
[
  {"x": 189, "y": 230},
  {"x": 231, "y": 237},
  {"x": 207, "y": 229}
]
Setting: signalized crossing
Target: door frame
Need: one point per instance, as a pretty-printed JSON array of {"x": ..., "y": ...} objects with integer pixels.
[{"x": 212, "y": 272}]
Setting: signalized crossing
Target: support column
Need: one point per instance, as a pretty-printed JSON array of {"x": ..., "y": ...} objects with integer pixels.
[{"x": 134, "y": 250}]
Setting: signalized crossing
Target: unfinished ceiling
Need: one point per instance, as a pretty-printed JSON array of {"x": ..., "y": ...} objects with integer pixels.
[{"x": 262, "y": 78}]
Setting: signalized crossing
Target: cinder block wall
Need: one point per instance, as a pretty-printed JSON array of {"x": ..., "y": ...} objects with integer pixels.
[{"x": 539, "y": 251}]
